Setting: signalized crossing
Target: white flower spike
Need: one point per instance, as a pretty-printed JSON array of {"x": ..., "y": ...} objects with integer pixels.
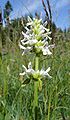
[{"x": 35, "y": 38}]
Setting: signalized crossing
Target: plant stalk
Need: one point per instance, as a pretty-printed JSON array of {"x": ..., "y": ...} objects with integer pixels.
[
  {"x": 49, "y": 105},
  {"x": 36, "y": 89}
]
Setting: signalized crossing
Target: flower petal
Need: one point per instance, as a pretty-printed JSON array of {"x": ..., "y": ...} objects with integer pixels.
[
  {"x": 46, "y": 51},
  {"x": 29, "y": 65},
  {"x": 25, "y": 35},
  {"x": 21, "y": 47},
  {"x": 48, "y": 70},
  {"x": 22, "y": 73},
  {"x": 24, "y": 68}
]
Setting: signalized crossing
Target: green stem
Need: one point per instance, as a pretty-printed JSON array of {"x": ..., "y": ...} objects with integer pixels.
[
  {"x": 49, "y": 105},
  {"x": 36, "y": 89}
]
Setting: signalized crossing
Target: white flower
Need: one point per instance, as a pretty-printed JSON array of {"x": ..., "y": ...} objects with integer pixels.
[
  {"x": 26, "y": 50},
  {"x": 36, "y": 74},
  {"x": 25, "y": 35},
  {"x": 51, "y": 46},
  {"x": 29, "y": 70},
  {"x": 46, "y": 51},
  {"x": 45, "y": 73}
]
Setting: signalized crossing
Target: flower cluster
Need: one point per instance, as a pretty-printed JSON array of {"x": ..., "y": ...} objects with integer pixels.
[
  {"x": 35, "y": 74},
  {"x": 35, "y": 38}
]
